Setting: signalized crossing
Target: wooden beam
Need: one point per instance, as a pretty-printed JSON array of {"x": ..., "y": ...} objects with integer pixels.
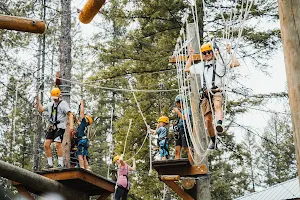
[
  {"x": 178, "y": 190},
  {"x": 183, "y": 172},
  {"x": 90, "y": 9},
  {"x": 104, "y": 196},
  {"x": 37, "y": 182},
  {"x": 22, "y": 24},
  {"x": 23, "y": 192},
  {"x": 174, "y": 59}
]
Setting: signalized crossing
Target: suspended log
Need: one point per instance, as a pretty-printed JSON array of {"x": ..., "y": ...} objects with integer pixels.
[
  {"x": 170, "y": 178},
  {"x": 22, "y": 24},
  {"x": 90, "y": 9},
  {"x": 38, "y": 182}
]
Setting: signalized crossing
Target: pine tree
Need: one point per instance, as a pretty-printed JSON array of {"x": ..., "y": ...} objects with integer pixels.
[{"x": 278, "y": 151}]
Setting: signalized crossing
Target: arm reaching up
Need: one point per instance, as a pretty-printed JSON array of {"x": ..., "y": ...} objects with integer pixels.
[
  {"x": 190, "y": 60},
  {"x": 81, "y": 109},
  {"x": 133, "y": 168},
  {"x": 234, "y": 62},
  {"x": 40, "y": 107}
]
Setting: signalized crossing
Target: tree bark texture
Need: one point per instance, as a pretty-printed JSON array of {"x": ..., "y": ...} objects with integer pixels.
[
  {"x": 289, "y": 13},
  {"x": 65, "y": 61}
]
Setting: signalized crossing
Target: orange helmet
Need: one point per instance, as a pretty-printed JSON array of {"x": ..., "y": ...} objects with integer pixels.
[
  {"x": 206, "y": 47},
  {"x": 90, "y": 119},
  {"x": 55, "y": 93}
]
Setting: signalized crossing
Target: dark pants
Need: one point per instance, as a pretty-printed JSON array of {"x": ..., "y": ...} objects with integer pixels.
[{"x": 121, "y": 193}]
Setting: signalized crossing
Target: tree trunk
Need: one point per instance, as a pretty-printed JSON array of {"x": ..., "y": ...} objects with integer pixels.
[
  {"x": 289, "y": 13},
  {"x": 65, "y": 67}
]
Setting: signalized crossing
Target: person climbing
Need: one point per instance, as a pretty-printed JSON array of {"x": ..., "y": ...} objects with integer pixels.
[
  {"x": 162, "y": 140},
  {"x": 183, "y": 139},
  {"x": 213, "y": 70},
  {"x": 123, "y": 185},
  {"x": 81, "y": 136},
  {"x": 57, "y": 111}
]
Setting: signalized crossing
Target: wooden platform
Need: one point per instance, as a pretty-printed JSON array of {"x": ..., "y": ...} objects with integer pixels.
[
  {"x": 77, "y": 179},
  {"x": 178, "y": 168},
  {"x": 181, "y": 167}
]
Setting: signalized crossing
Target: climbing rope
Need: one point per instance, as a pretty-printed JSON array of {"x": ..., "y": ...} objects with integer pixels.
[
  {"x": 131, "y": 81},
  {"x": 129, "y": 127}
]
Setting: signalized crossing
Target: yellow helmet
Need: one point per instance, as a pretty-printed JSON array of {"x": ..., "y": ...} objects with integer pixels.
[
  {"x": 206, "y": 47},
  {"x": 164, "y": 119},
  {"x": 90, "y": 119},
  {"x": 117, "y": 157},
  {"x": 55, "y": 93}
]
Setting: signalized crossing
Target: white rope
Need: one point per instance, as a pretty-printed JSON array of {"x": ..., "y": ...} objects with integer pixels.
[
  {"x": 184, "y": 104},
  {"x": 195, "y": 17},
  {"x": 111, "y": 145},
  {"x": 197, "y": 145},
  {"x": 15, "y": 114},
  {"x": 180, "y": 84},
  {"x": 129, "y": 127},
  {"x": 116, "y": 89},
  {"x": 130, "y": 79}
]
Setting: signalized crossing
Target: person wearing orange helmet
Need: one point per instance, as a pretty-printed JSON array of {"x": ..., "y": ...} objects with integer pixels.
[
  {"x": 212, "y": 71},
  {"x": 81, "y": 136},
  {"x": 162, "y": 133},
  {"x": 57, "y": 111}
]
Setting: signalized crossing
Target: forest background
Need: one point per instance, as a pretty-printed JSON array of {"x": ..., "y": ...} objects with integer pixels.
[{"x": 137, "y": 37}]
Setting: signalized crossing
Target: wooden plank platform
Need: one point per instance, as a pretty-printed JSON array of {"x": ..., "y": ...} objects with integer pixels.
[
  {"x": 181, "y": 167},
  {"x": 77, "y": 179}
]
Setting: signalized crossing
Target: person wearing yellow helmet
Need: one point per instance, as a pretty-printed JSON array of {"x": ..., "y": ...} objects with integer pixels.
[
  {"x": 162, "y": 133},
  {"x": 81, "y": 137},
  {"x": 57, "y": 111},
  {"x": 212, "y": 71},
  {"x": 123, "y": 184}
]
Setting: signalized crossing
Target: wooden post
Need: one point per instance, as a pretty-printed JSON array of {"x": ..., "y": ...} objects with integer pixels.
[
  {"x": 22, "y": 24},
  {"x": 65, "y": 61},
  {"x": 67, "y": 141},
  {"x": 203, "y": 186},
  {"x": 38, "y": 182},
  {"x": 289, "y": 13}
]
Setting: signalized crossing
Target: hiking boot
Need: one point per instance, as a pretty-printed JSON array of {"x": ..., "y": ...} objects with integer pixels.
[
  {"x": 212, "y": 146},
  {"x": 219, "y": 128},
  {"x": 59, "y": 167}
]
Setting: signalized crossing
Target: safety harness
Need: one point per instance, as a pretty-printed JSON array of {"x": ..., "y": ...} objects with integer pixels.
[
  {"x": 214, "y": 65},
  {"x": 127, "y": 181},
  {"x": 165, "y": 144},
  {"x": 54, "y": 109}
]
